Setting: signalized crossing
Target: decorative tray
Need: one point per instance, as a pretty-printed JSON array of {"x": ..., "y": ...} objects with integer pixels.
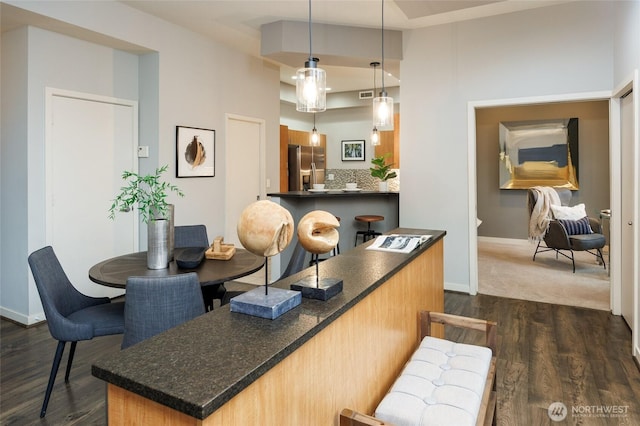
[
  {"x": 219, "y": 250},
  {"x": 189, "y": 257}
]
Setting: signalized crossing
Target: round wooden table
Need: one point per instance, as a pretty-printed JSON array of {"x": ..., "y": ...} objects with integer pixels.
[{"x": 114, "y": 272}]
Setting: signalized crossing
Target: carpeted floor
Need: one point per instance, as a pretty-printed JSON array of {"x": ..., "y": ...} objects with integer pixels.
[{"x": 506, "y": 269}]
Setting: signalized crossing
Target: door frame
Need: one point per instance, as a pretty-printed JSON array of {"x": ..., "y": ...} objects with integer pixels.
[
  {"x": 50, "y": 93},
  {"x": 630, "y": 83}
]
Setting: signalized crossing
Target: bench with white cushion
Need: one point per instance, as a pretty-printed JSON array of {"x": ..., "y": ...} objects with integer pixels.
[{"x": 443, "y": 383}]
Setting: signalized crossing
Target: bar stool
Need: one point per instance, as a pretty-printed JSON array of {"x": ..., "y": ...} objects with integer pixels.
[
  {"x": 334, "y": 252},
  {"x": 369, "y": 233}
]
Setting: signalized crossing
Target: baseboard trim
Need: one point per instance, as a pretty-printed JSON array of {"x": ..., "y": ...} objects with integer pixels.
[
  {"x": 460, "y": 288},
  {"x": 18, "y": 318},
  {"x": 508, "y": 241}
]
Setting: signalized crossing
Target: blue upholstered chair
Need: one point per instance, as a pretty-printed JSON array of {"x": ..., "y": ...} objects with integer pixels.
[
  {"x": 196, "y": 236},
  {"x": 71, "y": 315},
  {"x": 297, "y": 261},
  {"x": 156, "y": 304},
  {"x": 191, "y": 236}
]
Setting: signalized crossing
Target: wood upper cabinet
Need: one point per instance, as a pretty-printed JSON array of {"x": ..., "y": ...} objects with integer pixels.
[
  {"x": 390, "y": 142},
  {"x": 284, "y": 168},
  {"x": 299, "y": 137},
  {"x": 293, "y": 137}
]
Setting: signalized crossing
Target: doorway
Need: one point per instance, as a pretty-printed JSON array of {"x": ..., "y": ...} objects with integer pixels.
[
  {"x": 245, "y": 169},
  {"x": 89, "y": 140},
  {"x": 518, "y": 202}
]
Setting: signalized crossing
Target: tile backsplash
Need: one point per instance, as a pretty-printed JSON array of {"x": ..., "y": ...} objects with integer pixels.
[{"x": 361, "y": 176}]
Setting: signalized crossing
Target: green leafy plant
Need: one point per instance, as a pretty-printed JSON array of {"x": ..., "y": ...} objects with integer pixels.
[
  {"x": 382, "y": 169},
  {"x": 148, "y": 192}
]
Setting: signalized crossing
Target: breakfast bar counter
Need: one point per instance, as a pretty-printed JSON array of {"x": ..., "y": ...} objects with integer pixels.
[{"x": 300, "y": 368}]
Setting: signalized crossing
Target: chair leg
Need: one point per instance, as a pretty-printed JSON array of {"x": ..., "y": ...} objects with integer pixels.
[
  {"x": 534, "y": 254},
  {"x": 573, "y": 262},
  {"x": 52, "y": 377},
  {"x": 72, "y": 352},
  {"x": 604, "y": 265}
]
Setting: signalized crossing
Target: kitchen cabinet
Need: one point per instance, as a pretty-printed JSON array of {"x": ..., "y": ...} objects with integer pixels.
[{"x": 390, "y": 142}]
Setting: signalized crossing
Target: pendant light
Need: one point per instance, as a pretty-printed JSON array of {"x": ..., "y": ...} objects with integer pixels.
[
  {"x": 315, "y": 137},
  {"x": 383, "y": 104},
  {"x": 311, "y": 83},
  {"x": 375, "y": 137}
]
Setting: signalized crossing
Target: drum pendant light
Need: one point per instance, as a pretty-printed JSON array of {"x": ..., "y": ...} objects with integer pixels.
[
  {"x": 375, "y": 137},
  {"x": 383, "y": 104},
  {"x": 311, "y": 83}
]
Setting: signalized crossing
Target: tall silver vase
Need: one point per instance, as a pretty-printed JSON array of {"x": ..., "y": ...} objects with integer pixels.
[
  {"x": 172, "y": 241},
  {"x": 158, "y": 244}
]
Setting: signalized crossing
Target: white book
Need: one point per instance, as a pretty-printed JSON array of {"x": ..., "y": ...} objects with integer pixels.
[{"x": 398, "y": 243}]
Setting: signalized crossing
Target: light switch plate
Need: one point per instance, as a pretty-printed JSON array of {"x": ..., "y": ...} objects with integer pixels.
[{"x": 143, "y": 152}]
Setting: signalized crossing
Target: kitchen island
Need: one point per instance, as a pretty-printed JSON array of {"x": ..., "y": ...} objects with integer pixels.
[
  {"x": 344, "y": 204},
  {"x": 227, "y": 368}
]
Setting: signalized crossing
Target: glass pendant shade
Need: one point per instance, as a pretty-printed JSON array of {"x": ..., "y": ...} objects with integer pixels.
[
  {"x": 383, "y": 112},
  {"x": 375, "y": 137},
  {"x": 311, "y": 88},
  {"x": 315, "y": 138}
]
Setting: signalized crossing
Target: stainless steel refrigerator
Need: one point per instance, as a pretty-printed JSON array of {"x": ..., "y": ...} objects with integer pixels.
[{"x": 306, "y": 167}]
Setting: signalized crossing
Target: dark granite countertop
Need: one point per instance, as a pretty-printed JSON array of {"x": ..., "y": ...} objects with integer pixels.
[
  {"x": 198, "y": 366},
  {"x": 331, "y": 193}
]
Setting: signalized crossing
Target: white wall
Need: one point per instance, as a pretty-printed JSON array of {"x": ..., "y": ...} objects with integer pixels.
[
  {"x": 176, "y": 83},
  {"x": 554, "y": 50},
  {"x": 627, "y": 39},
  {"x": 13, "y": 182}
]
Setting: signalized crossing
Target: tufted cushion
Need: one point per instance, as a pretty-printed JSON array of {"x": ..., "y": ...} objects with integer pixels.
[
  {"x": 577, "y": 227},
  {"x": 441, "y": 384}
]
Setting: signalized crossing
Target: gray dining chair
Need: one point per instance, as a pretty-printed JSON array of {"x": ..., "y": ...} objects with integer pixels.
[
  {"x": 156, "y": 304},
  {"x": 71, "y": 316},
  {"x": 196, "y": 236},
  {"x": 191, "y": 236}
]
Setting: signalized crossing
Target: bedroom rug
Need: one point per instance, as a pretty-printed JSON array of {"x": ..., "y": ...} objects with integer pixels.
[{"x": 506, "y": 269}]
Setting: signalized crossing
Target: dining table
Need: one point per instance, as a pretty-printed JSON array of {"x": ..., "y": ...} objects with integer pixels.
[{"x": 114, "y": 272}]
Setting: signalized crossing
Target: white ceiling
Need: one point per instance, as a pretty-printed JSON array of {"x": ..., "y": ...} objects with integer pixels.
[{"x": 237, "y": 22}]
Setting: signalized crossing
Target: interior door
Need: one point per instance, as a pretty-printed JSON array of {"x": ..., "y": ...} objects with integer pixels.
[
  {"x": 629, "y": 188},
  {"x": 245, "y": 169},
  {"x": 90, "y": 141}
]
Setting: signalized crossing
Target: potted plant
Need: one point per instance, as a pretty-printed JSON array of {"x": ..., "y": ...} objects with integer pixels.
[
  {"x": 382, "y": 170},
  {"x": 149, "y": 193}
]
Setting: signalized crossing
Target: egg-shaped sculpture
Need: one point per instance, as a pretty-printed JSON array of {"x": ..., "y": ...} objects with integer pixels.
[
  {"x": 265, "y": 228},
  {"x": 317, "y": 231}
]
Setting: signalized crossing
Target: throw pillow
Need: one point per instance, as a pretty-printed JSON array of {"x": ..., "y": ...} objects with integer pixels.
[
  {"x": 577, "y": 227},
  {"x": 572, "y": 213}
]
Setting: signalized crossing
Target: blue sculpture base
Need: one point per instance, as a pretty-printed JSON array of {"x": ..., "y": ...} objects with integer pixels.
[
  {"x": 324, "y": 290},
  {"x": 270, "y": 306}
]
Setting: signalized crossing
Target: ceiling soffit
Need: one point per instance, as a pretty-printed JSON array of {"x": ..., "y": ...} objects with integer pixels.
[{"x": 287, "y": 42}]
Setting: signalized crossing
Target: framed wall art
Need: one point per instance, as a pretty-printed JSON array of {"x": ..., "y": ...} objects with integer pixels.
[
  {"x": 195, "y": 152},
  {"x": 539, "y": 153},
  {"x": 353, "y": 150}
]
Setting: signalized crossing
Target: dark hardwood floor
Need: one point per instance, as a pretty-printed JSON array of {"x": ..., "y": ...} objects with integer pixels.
[{"x": 547, "y": 353}]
